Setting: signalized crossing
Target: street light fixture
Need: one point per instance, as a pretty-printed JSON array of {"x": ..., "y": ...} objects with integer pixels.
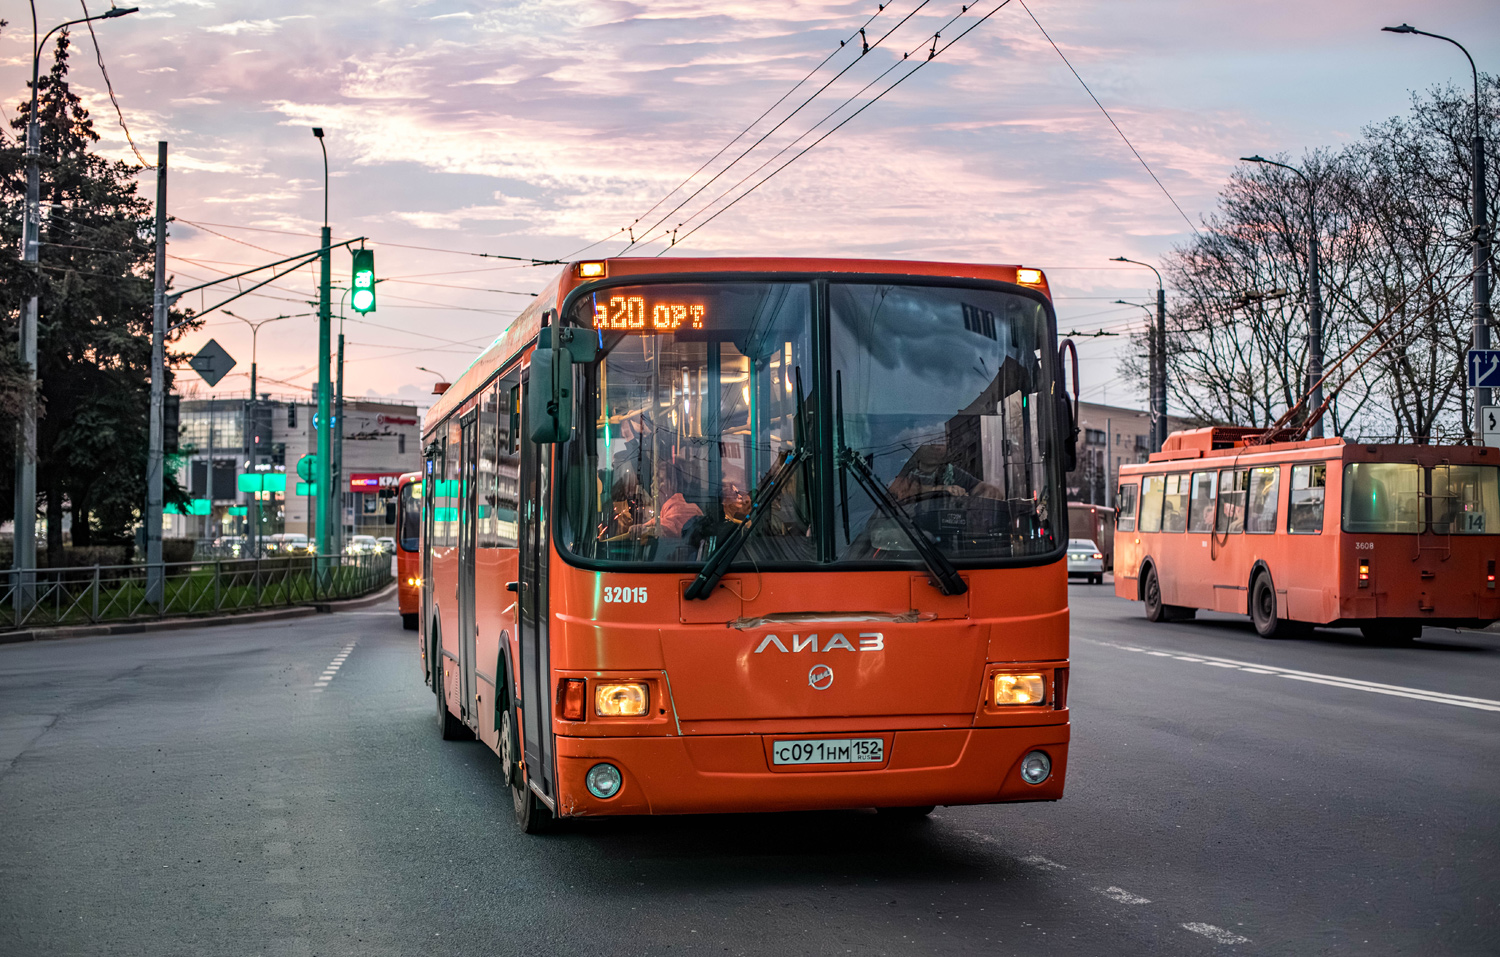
[
  {"x": 1481, "y": 241},
  {"x": 1314, "y": 297},
  {"x": 1158, "y": 360},
  {"x": 24, "y": 558}
]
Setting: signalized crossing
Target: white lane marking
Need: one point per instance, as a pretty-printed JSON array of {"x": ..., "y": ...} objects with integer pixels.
[
  {"x": 1037, "y": 860},
  {"x": 1336, "y": 681},
  {"x": 1216, "y": 934},
  {"x": 1122, "y": 896},
  {"x": 332, "y": 670}
]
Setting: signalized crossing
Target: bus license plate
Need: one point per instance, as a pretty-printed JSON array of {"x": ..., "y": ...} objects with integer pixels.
[{"x": 825, "y": 751}]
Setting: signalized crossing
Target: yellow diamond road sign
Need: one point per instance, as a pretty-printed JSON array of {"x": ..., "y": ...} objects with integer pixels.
[{"x": 212, "y": 362}]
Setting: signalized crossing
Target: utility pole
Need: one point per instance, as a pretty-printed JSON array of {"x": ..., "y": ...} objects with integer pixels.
[
  {"x": 155, "y": 457},
  {"x": 326, "y": 499},
  {"x": 1481, "y": 238},
  {"x": 338, "y": 442},
  {"x": 1158, "y": 339}
]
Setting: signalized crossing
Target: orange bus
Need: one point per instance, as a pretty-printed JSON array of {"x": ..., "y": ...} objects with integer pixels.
[
  {"x": 409, "y": 549},
  {"x": 715, "y": 535},
  {"x": 1388, "y": 538}
]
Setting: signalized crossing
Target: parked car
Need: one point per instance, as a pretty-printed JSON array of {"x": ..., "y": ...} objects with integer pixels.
[
  {"x": 1084, "y": 558},
  {"x": 387, "y": 544},
  {"x": 362, "y": 545}
]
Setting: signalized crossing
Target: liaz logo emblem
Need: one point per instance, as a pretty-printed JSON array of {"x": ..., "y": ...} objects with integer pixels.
[
  {"x": 868, "y": 641},
  {"x": 820, "y": 677}
]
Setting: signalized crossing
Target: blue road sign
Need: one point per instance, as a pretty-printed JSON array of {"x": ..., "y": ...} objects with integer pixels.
[{"x": 1484, "y": 368}]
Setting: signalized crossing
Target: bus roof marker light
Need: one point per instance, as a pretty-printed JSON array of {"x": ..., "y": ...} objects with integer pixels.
[
  {"x": 603, "y": 781},
  {"x": 1029, "y": 277},
  {"x": 1036, "y": 767},
  {"x": 592, "y": 270}
]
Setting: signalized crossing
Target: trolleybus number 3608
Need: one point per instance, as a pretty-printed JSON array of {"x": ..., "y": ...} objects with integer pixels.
[{"x": 837, "y": 751}]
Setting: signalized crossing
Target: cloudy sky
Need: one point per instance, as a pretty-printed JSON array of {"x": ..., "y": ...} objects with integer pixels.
[{"x": 535, "y": 127}]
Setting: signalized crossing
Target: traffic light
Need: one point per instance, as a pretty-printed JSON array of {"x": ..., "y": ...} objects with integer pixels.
[{"x": 362, "y": 298}]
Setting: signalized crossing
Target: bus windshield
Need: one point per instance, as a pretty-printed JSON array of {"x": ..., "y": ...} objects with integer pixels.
[
  {"x": 411, "y": 516},
  {"x": 929, "y": 401}
]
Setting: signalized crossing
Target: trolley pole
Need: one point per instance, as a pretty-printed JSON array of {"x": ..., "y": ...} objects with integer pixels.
[
  {"x": 1160, "y": 405},
  {"x": 155, "y": 454}
]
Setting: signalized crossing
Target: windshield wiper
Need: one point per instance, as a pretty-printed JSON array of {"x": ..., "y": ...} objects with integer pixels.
[
  {"x": 790, "y": 460},
  {"x": 944, "y": 575}
]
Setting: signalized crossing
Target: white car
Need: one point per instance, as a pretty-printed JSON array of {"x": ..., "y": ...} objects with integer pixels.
[
  {"x": 386, "y": 544},
  {"x": 1084, "y": 558},
  {"x": 363, "y": 545}
]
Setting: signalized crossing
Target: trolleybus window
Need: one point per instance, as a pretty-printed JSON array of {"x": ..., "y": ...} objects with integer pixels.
[
  {"x": 1233, "y": 484},
  {"x": 1175, "y": 503},
  {"x": 1152, "y": 487},
  {"x": 1465, "y": 499},
  {"x": 1382, "y": 497},
  {"x": 938, "y": 397},
  {"x": 1265, "y": 489},
  {"x": 1305, "y": 502},
  {"x": 1201, "y": 505},
  {"x": 1125, "y": 499}
]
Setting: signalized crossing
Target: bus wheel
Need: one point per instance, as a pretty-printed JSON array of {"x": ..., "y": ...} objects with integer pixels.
[
  {"x": 409, "y": 621},
  {"x": 1155, "y": 609},
  {"x": 1263, "y": 610},
  {"x": 449, "y": 727},
  {"x": 532, "y": 816}
]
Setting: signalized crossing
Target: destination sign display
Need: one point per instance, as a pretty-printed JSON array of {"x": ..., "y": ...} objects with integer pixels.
[{"x": 642, "y": 314}]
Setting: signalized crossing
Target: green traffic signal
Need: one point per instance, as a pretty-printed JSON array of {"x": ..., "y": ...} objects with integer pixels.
[{"x": 362, "y": 297}]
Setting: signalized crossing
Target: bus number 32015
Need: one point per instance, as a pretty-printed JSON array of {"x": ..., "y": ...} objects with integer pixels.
[
  {"x": 613, "y": 595},
  {"x": 628, "y": 314}
]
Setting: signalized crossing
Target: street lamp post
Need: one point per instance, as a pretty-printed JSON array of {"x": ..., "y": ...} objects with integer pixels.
[
  {"x": 1158, "y": 360},
  {"x": 1481, "y": 240},
  {"x": 1314, "y": 299},
  {"x": 252, "y": 508},
  {"x": 326, "y": 500},
  {"x": 25, "y": 505}
]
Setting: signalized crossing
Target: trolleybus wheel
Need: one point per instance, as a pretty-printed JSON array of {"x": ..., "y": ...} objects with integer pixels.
[
  {"x": 1391, "y": 632},
  {"x": 1155, "y": 609},
  {"x": 532, "y": 816},
  {"x": 906, "y": 813},
  {"x": 1263, "y": 610},
  {"x": 449, "y": 727}
]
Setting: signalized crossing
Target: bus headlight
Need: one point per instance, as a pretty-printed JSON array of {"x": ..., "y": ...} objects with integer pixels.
[
  {"x": 1036, "y": 767},
  {"x": 1020, "y": 689},
  {"x": 603, "y": 780},
  {"x": 621, "y": 699}
]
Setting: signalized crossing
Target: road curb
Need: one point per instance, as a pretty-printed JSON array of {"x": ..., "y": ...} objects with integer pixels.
[{"x": 177, "y": 624}]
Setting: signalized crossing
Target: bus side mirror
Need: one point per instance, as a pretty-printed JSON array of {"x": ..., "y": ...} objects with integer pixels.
[
  {"x": 549, "y": 410},
  {"x": 1067, "y": 404}
]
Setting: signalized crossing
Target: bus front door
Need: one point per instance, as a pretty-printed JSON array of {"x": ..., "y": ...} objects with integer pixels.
[
  {"x": 535, "y": 665},
  {"x": 467, "y": 513}
]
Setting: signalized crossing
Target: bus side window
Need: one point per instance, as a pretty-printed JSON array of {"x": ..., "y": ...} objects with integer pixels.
[
  {"x": 1265, "y": 490},
  {"x": 1305, "y": 503},
  {"x": 1152, "y": 487},
  {"x": 1201, "y": 505},
  {"x": 1175, "y": 503},
  {"x": 508, "y": 463},
  {"x": 1232, "y": 486},
  {"x": 1125, "y": 499}
]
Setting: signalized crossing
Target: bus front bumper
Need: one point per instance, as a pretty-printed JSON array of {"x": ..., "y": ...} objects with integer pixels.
[{"x": 698, "y": 774}]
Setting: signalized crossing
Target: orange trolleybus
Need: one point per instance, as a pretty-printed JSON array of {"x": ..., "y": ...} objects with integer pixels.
[
  {"x": 710, "y": 535},
  {"x": 1388, "y": 538},
  {"x": 409, "y": 548}
]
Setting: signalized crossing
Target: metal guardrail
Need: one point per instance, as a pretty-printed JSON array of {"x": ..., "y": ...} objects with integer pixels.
[{"x": 101, "y": 593}]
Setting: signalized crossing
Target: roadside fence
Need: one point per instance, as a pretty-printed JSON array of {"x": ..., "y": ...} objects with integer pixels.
[{"x": 100, "y": 593}]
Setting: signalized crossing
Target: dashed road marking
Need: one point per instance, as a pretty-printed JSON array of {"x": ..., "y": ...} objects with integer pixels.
[
  {"x": 1334, "y": 681},
  {"x": 332, "y": 670},
  {"x": 1121, "y": 896},
  {"x": 1216, "y": 934},
  {"x": 1037, "y": 860}
]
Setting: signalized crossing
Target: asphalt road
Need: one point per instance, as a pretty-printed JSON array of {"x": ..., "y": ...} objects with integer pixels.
[{"x": 199, "y": 793}]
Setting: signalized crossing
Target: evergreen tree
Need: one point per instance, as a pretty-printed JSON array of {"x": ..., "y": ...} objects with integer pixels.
[{"x": 94, "y": 281}]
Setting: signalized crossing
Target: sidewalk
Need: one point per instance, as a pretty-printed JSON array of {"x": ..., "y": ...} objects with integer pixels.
[{"x": 176, "y": 624}]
